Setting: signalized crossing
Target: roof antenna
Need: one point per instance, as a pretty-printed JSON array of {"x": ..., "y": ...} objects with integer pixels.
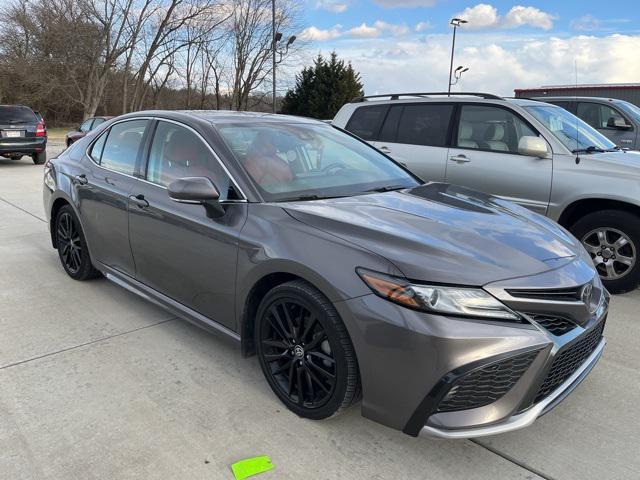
[{"x": 575, "y": 63}]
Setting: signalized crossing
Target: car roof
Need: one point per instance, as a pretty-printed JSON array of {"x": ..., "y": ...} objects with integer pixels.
[
  {"x": 576, "y": 97},
  {"x": 218, "y": 117}
]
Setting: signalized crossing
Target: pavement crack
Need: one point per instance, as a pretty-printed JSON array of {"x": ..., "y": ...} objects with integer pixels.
[
  {"x": 23, "y": 210},
  {"x": 98, "y": 340},
  {"x": 512, "y": 459}
]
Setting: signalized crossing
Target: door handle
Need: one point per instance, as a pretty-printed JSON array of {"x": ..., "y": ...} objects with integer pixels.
[
  {"x": 385, "y": 149},
  {"x": 80, "y": 179},
  {"x": 460, "y": 159},
  {"x": 139, "y": 200}
]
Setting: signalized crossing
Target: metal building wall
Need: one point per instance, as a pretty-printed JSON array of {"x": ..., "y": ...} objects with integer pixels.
[{"x": 630, "y": 93}]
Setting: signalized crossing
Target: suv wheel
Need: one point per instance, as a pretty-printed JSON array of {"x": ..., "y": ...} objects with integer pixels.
[
  {"x": 72, "y": 246},
  {"x": 612, "y": 238},
  {"x": 40, "y": 157},
  {"x": 305, "y": 351}
]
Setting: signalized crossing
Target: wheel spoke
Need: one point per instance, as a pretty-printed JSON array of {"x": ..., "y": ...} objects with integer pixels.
[
  {"x": 274, "y": 357},
  {"x": 291, "y": 377},
  {"x": 620, "y": 242},
  {"x": 300, "y": 385},
  {"x": 314, "y": 377},
  {"x": 321, "y": 371},
  {"x": 591, "y": 248},
  {"x": 276, "y": 315},
  {"x": 311, "y": 322},
  {"x": 611, "y": 273},
  {"x": 310, "y": 389},
  {"x": 316, "y": 340},
  {"x": 275, "y": 344},
  {"x": 291, "y": 325},
  {"x": 282, "y": 367},
  {"x": 624, "y": 260},
  {"x": 602, "y": 237}
]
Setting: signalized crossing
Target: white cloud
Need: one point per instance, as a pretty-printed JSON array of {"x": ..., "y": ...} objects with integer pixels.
[
  {"x": 484, "y": 15},
  {"x": 497, "y": 63},
  {"x": 394, "y": 29},
  {"x": 364, "y": 31},
  {"x": 319, "y": 35},
  {"x": 531, "y": 16},
  {"x": 585, "y": 22},
  {"x": 422, "y": 26},
  {"x": 335, "y": 6},
  {"x": 405, "y": 3}
]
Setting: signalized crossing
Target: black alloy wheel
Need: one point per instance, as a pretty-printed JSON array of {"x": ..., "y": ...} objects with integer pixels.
[
  {"x": 72, "y": 247},
  {"x": 305, "y": 352}
]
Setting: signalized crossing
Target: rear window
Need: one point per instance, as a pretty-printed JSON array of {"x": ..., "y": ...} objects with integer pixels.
[
  {"x": 425, "y": 125},
  {"x": 17, "y": 115},
  {"x": 366, "y": 121}
]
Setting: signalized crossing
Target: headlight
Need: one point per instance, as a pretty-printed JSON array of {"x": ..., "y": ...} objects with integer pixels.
[
  {"x": 463, "y": 301},
  {"x": 49, "y": 181}
]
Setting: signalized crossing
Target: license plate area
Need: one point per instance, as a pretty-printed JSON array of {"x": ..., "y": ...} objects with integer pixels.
[{"x": 12, "y": 133}]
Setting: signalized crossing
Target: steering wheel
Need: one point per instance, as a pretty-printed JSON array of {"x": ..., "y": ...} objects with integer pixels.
[{"x": 335, "y": 165}]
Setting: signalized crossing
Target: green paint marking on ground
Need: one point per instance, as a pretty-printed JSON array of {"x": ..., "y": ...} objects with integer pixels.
[{"x": 251, "y": 466}]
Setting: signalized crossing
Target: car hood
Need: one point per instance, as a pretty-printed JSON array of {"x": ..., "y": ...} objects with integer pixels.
[
  {"x": 622, "y": 162},
  {"x": 444, "y": 233}
]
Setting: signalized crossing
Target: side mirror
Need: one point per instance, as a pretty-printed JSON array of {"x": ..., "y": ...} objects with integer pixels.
[
  {"x": 193, "y": 190},
  {"x": 199, "y": 191},
  {"x": 618, "y": 123},
  {"x": 533, "y": 146}
]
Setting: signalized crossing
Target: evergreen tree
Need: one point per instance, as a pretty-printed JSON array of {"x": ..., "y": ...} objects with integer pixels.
[{"x": 323, "y": 88}]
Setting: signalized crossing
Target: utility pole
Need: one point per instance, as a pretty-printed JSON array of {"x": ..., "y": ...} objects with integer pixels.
[
  {"x": 273, "y": 50},
  {"x": 456, "y": 22}
]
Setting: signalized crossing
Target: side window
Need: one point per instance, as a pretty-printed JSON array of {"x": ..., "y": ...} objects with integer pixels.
[
  {"x": 608, "y": 116},
  {"x": 177, "y": 152},
  {"x": 390, "y": 127},
  {"x": 491, "y": 128},
  {"x": 122, "y": 146},
  {"x": 97, "y": 122},
  {"x": 86, "y": 125},
  {"x": 425, "y": 124},
  {"x": 96, "y": 149},
  {"x": 590, "y": 113},
  {"x": 365, "y": 121}
]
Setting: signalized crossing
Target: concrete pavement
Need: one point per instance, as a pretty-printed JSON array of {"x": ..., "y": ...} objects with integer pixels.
[{"x": 96, "y": 383}]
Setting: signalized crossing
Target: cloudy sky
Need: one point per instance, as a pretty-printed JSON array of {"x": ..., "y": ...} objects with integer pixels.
[{"x": 404, "y": 45}]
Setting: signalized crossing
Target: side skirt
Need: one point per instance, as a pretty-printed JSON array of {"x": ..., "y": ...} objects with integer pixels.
[{"x": 165, "y": 302}]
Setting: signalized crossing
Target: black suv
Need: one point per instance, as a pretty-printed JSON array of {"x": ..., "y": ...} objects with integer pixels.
[{"x": 22, "y": 132}]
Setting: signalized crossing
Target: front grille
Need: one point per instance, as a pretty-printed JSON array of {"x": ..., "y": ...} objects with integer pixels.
[
  {"x": 571, "y": 294},
  {"x": 556, "y": 325},
  {"x": 566, "y": 362},
  {"x": 487, "y": 384}
]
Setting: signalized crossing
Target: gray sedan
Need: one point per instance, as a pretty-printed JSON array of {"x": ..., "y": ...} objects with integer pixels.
[{"x": 449, "y": 312}]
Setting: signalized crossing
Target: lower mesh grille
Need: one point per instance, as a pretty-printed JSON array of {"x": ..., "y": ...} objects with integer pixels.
[
  {"x": 556, "y": 325},
  {"x": 566, "y": 362},
  {"x": 486, "y": 385}
]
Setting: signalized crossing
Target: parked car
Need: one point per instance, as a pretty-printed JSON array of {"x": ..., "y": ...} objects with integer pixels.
[
  {"x": 617, "y": 120},
  {"x": 455, "y": 313},
  {"x": 22, "y": 132},
  {"x": 84, "y": 128},
  {"x": 535, "y": 154}
]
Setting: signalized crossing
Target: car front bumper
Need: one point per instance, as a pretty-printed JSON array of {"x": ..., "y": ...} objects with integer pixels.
[{"x": 409, "y": 361}]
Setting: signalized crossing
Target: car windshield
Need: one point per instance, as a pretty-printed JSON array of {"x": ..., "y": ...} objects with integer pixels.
[
  {"x": 10, "y": 115},
  {"x": 630, "y": 109},
  {"x": 575, "y": 134},
  {"x": 289, "y": 161}
]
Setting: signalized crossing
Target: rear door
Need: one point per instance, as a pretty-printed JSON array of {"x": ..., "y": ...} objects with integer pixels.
[
  {"x": 103, "y": 192},
  {"x": 17, "y": 126},
  {"x": 178, "y": 249},
  {"x": 601, "y": 116},
  {"x": 416, "y": 135},
  {"x": 484, "y": 156}
]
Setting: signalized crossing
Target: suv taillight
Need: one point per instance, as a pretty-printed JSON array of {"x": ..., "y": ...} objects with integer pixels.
[{"x": 41, "y": 130}]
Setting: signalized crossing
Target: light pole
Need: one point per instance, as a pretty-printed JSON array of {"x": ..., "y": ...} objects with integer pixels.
[
  {"x": 457, "y": 73},
  {"x": 275, "y": 38},
  {"x": 456, "y": 22}
]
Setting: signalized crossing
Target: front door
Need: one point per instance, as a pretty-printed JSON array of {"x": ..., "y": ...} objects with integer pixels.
[
  {"x": 103, "y": 193},
  {"x": 178, "y": 249},
  {"x": 601, "y": 116},
  {"x": 484, "y": 156}
]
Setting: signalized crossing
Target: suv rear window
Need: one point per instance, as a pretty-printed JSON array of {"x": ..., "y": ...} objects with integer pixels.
[
  {"x": 17, "y": 114},
  {"x": 365, "y": 121}
]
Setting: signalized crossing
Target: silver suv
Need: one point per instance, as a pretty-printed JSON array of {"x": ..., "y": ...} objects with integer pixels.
[{"x": 536, "y": 154}]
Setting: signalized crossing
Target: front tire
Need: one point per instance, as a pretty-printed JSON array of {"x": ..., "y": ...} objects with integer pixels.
[
  {"x": 612, "y": 238},
  {"x": 305, "y": 351},
  {"x": 72, "y": 246},
  {"x": 39, "y": 158}
]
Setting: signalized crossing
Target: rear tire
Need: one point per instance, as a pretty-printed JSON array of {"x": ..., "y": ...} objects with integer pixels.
[
  {"x": 40, "y": 157},
  {"x": 72, "y": 246},
  {"x": 612, "y": 238},
  {"x": 305, "y": 351}
]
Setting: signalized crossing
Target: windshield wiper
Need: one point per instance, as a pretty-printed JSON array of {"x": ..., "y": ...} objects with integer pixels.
[
  {"x": 390, "y": 188},
  {"x": 589, "y": 149},
  {"x": 303, "y": 198}
]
